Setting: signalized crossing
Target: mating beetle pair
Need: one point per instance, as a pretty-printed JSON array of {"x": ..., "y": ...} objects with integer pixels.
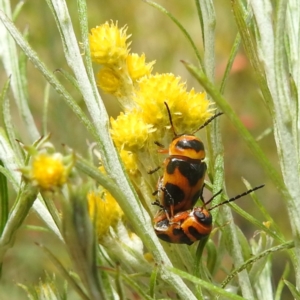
[{"x": 180, "y": 187}]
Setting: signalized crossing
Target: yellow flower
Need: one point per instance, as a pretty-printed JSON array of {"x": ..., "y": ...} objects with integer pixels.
[
  {"x": 129, "y": 131},
  {"x": 48, "y": 171},
  {"x": 104, "y": 211},
  {"x": 116, "y": 81},
  {"x": 137, "y": 67},
  {"x": 108, "y": 44},
  {"x": 189, "y": 110},
  {"x": 153, "y": 92},
  {"x": 108, "y": 80},
  {"x": 130, "y": 161}
]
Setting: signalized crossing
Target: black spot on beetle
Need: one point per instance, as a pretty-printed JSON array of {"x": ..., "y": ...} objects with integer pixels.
[
  {"x": 190, "y": 144},
  {"x": 196, "y": 234},
  {"x": 173, "y": 194},
  {"x": 192, "y": 171}
]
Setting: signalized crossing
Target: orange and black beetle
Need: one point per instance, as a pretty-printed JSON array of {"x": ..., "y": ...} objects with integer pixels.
[
  {"x": 185, "y": 227},
  {"x": 182, "y": 183},
  {"x": 189, "y": 226}
]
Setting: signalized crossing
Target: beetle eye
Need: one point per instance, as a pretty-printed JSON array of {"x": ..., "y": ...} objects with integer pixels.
[
  {"x": 203, "y": 218},
  {"x": 162, "y": 225}
]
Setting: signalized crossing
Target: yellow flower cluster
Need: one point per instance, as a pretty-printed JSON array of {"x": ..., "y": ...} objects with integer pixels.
[
  {"x": 133, "y": 129},
  {"x": 120, "y": 69},
  {"x": 137, "y": 66},
  {"x": 104, "y": 211},
  {"x": 132, "y": 126},
  {"x": 142, "y": 96},
  {"x": 189, "y": 109},
  {"x": 108, "y": 44},
  {"x": 130, "y": 161}
]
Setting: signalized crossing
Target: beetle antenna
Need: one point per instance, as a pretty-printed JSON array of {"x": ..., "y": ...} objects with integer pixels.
[
  {"x": 236, "y": 197},
  {"x": 208, "y": 121},
  {"x": 170, "y": 118},
  {"x": 213, "y": 197}
]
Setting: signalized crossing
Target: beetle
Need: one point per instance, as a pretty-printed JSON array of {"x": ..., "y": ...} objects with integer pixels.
[
  {"x": 189, "y": 226},
  {"x": 182, "y": 182}
]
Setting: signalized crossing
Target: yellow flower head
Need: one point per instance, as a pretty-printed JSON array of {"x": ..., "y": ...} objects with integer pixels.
[
  {"x": 108, "y": 80},
  {"x": 48, "y": 171},
  {"x": 191, "y": 112},
  {"x": 129, "y": 131},
  {"x": 104, "y": 211},
  {"x": 108, "y": 44},
  {"x": 130, "y": 161},
  {"x": 153, "y": 92},
  {"x": 188, "y": 109},
  {"x": 137, "y": 67}
]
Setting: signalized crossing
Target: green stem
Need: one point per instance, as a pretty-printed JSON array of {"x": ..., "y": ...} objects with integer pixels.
[
  {"x": 3, "y": 200},
  {"x": 27, "y": 196},
  {"x": 243, "y": 132},
  {"x": 249, "y": 262},
  {"x": 182, "y": 29},
  {"x": 10, "y": 59}
]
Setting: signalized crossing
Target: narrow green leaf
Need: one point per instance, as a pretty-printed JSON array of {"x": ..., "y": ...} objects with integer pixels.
[
  {"x": 45, "y": 109},
  {"x": 292, "y": 288},
  {"x": 243, "y": 132},
  {"x": 9, "y": 177},
  {"x": 50, "y": 205},
  {"x": 31, "y": 292},
  {"x": 265, "y": 213},
  {"x": 119, "y": 284},
  {"x": 208, "y": 29},
  {"x": 70, "y": 78},
  {"x": 181, "y": 28},
  {"x": 65, "y": 273},
  {"x": 80, "y": 239},
  {"x": 142, "y": 293},
  {"x": 200, "y": 17},
  {"x": 212, "y": 254},
  {"x": 245, "y": 246},
  {"x": 3, "y": 96},
  {"x": 281, "y": 284},
  {"x": 12, "y": 67},
  {"x": 20, "y": 211},
  {"x": 235, "y": 250},
  {"x": 18, "y": 9},
  {"x": 94, "y": 173},
  {"x": 210, "y": 287},
  {"x": 256, "y": 222},
  {"x": 4, "y": 200},
  {"x": 83, "y": 21},
  {"x": 153, "y": 279},
  {"x": 36, "y": 228},
  {"x": 6, "y": 115},
  {"x": 199, "y": 270},
  {"x": 285, "y": 246},
  {"x": 7, "y": 156},
  {"x": 103, "y": 258},
  {"x": 242, "y": 20},
  {"x": 48, "y": 75},
  {"x": 233, "y": 53}
]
